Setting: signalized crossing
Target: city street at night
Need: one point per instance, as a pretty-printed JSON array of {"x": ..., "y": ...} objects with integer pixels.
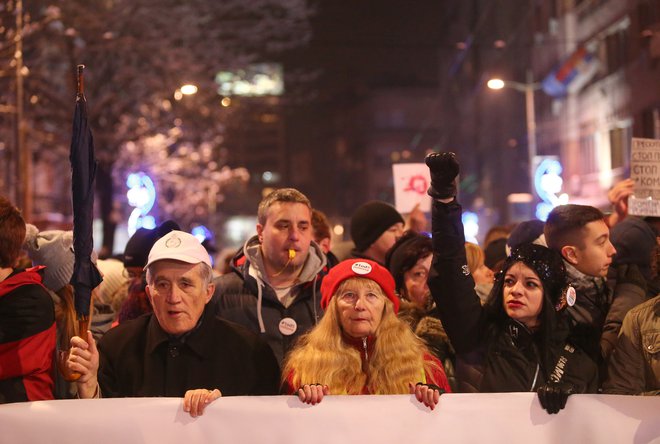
[{"x": 207, "y": 199}]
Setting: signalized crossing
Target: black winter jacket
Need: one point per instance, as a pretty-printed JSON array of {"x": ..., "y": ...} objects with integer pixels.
[{"x": 494, "y": 356}]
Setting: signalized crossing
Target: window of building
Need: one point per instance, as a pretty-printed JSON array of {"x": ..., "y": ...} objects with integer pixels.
[
  {"x": 620, "y": 146},
  {"x": 648, "y": 13},
  {"x": 616, "y": 45},
  {"x": 587, "y": 8},
  {"x": 651, "y": 123},
  {"x": 588, "y": 154}
]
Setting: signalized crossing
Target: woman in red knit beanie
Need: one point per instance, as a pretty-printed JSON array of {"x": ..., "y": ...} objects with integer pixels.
[{"x": 360, "y": 346}]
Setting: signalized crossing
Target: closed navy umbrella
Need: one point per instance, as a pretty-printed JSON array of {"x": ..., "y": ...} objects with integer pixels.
[{"x": 85, "y": 276}]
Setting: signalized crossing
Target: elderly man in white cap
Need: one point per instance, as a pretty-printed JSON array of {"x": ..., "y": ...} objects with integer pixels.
[{"x": 181, "y": 346}]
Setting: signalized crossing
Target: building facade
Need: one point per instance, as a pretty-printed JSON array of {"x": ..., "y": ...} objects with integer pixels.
[{"x": 591, "y": 126}]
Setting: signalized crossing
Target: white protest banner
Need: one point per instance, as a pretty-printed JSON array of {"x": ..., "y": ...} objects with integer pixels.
[
  {"x": 411, "y": 181},
  {"x": 645, "y": 172},
  {"x": 508, "y": 418}
]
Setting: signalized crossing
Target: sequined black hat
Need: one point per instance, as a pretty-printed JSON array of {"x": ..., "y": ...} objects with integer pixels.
[{"x": 546, "y": 263}]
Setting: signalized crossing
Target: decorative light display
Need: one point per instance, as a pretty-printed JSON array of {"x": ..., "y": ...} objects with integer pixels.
[
  {"x": 548, "y": 183},
  {"x": 201, "y": 233},
  {"x": 470, "y": 226},
  {"x": 261, "y": 79},
  {"x": 141, "y": 195}
]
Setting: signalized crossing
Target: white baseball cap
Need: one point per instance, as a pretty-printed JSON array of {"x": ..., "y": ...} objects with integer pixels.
[{"x": 179, "y": 246}]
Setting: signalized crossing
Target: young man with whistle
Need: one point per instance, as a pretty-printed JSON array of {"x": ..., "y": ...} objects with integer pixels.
[{"x": 273, "y": 288}]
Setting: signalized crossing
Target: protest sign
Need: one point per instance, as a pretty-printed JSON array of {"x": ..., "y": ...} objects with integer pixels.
[
  {"x": 645, "y": 172},
  {"x": 411, "y": 181}
]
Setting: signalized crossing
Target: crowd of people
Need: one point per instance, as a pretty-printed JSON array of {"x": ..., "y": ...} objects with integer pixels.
[{"x": 568, "y": 306}]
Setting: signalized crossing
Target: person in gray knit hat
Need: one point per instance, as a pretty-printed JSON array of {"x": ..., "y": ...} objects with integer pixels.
[
  {"x": 53, "y": 249},
  {"x": 375, "y": 227}
]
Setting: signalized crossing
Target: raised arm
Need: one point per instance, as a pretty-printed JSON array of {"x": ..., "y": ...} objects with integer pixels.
[
  {"x": 618, "y": 197},
  {"x": 451, "y": 284}
]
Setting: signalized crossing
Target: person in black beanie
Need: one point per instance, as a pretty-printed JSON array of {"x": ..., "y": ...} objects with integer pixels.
[
  {"x": 519, "y": 340},
  {"x": 495, "y": 254},
  {"x": 526, "y": 232},
  {"x": 375, "y": 227},
  {"x": 138, "y": 246},
  {"x": 136, "y": 253}
]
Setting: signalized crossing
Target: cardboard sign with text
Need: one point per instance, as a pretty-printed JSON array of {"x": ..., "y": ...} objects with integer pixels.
[
  {"x": 411, "y": 181},
  {"x": 645, "y": 171}
]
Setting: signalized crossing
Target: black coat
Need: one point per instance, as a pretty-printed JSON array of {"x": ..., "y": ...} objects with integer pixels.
[
  {"x": 138, "y": 359},
  {"x": 492, "y": 355}
]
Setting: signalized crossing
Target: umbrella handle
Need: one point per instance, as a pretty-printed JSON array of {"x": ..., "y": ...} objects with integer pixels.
[{"x": 63, "y": 355}]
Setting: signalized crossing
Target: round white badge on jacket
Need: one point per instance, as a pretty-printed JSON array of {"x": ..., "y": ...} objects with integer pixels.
[
  {"x": 288, "y": 326},
  {"x": 571, "y": 296}
]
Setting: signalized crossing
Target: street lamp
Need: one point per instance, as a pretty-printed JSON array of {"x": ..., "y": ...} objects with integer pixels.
[
  {"x": 189, "y": 89},
  {"x": 528, "y": 88},
  {"x": 186, "y": 90}
]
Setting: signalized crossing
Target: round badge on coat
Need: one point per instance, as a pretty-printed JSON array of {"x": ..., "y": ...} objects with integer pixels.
[
  {"x": 361, "y": 268},
  {"x": 288, "y": 326},
  {"x": 571, "y": 296}
]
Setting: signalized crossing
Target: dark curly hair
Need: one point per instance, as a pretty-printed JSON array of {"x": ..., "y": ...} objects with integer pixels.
[{"x": 405, "y": 253}]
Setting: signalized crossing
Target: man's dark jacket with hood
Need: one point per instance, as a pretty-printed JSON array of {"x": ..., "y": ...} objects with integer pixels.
[{"x": 245, "y": 296}]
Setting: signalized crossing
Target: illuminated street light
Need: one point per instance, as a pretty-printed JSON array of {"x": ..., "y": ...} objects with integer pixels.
[
  {"x": 188, "y": 89},
  {"x": 528, "y": 88},
  {"x": 495, "y": 84}
]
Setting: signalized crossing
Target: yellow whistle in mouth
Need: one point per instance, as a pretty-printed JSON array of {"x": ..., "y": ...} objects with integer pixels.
[{"x": 292, "y": 254}]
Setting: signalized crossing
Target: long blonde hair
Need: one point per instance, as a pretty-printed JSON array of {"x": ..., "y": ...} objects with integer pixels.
[{"x": 322, "y": 356}]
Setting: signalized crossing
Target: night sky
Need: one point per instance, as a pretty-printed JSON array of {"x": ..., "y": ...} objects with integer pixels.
[{"x": 356, "y": 47}]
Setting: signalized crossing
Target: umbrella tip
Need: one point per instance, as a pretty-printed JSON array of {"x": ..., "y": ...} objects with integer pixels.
[{"x": 80, "y": 91}]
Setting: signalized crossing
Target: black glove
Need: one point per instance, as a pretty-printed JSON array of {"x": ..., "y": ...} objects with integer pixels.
[
  {"x": 553, "y": 395},
  {"x": 630, "y": 274},
  {"x": 444, "y": 169}
]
